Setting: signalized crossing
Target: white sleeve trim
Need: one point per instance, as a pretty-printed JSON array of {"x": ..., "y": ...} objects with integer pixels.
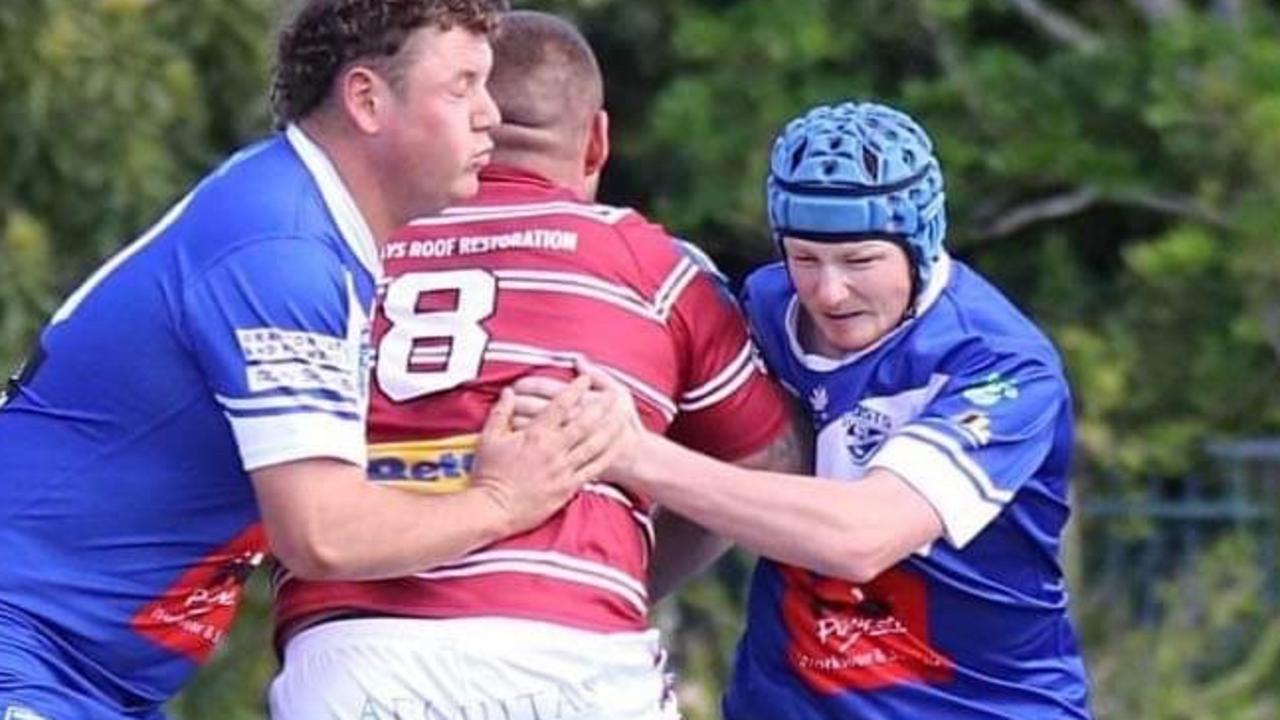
[
  {"x": 276, "y": 439},
  {"x": 945, "y": 482}
]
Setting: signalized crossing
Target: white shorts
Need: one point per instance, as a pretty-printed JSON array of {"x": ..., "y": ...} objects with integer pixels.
[{"x": 470, "y": 669}]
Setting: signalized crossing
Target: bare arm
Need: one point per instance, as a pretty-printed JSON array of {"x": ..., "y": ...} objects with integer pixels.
[
  {"x": 686, "y": 549},
  {"x": 324, "y": 520},
  {"x": 853, "y": 530}
]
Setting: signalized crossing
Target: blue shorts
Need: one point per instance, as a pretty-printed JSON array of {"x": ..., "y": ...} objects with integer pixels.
[{"x": 34, "y": 685}]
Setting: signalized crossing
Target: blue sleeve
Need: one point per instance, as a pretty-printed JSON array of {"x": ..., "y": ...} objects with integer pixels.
[
  {"x": 980, "y": 439},
  {"x": 279, "y": 330}
]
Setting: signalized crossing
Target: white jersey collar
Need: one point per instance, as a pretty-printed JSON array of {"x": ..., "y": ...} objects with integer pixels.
[
  {"x": 821, "y": 363},
  {"x": 342, "y": 207}
]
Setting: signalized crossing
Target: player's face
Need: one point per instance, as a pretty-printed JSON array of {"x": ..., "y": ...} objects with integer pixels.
[
  {"x": 440, "y": 119},
  {"x": 853, "y": 293}
]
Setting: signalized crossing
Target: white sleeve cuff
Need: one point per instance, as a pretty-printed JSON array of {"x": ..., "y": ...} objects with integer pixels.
[
  {"x": 276, "y": 439},
  {"x": 938, "y": 468}
]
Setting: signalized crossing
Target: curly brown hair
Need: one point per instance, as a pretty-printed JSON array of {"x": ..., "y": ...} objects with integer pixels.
[{"x": 325, "y": 36}]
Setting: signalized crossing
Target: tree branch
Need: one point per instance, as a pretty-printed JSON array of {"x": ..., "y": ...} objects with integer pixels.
[
  {"x": 950, "y": 60},
  {"x": 1158, "y": 11},
  {"x": 1230, "y": 12},
  {"x": 1034, "y": 212},
  {"x": 1075, "y": 201},
  {"x": 1176, "y": 205},
  {"x": 1058, "y": 26}
]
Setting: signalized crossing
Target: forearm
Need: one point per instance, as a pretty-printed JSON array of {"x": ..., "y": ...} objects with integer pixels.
[
  {"x": 344, "y": 527},
  {"x": 845, "y": 529},
  {"x": 684, "y": 550},
  {"x": 379, "y": 536}
]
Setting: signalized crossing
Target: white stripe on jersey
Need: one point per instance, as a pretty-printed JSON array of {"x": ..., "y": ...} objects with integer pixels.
[
  {"x": 547, "y": 564},
  {"x": 624, "y": 292},
  {"x": 298, "y": 435},
  {"x": 961, "y": 458},
  {"x": 610, "y": 492},
  {"x": 643, "y": 519},
  {"x": 537, "y": 356},
  {"x": 484, "y": 213},
  {"x": 664, "y": 300},
  {"x": 742, "y": 378},
  {"x": 289, "y": 402},
  {"x": 950, "y": 490},
  {"x": 638, "y": 306},
  {"x": 607, "y": 214},
  {"x": 726, "y": 376}
]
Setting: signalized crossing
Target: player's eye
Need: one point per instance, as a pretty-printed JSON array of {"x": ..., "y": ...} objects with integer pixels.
[{"x": 463, "y": 86}]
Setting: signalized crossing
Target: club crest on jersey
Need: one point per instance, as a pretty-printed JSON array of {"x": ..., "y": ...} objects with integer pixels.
[{"x": 865, "y": 430}]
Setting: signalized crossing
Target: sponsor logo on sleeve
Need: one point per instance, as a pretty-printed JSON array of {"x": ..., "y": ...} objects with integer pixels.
[
  {"x": 993, "y": 389},
  {"x": 975, "y": 425}
]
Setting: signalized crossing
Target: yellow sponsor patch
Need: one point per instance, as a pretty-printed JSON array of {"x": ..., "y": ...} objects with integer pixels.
[{"x": 425, "y": 466}]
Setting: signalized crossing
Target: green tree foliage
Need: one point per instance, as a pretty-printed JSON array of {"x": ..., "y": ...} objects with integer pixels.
[
  {"x": 1113, "y": 164},
  {"x": 1215, "y": 654},
  {"x": 112, "y": 109}
]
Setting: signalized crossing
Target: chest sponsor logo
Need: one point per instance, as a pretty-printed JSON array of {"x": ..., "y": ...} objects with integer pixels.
[
  {"x": 194, "y": 614},
  {"x": 844, "y": 636},
  {"x": 424, "y": 466}
]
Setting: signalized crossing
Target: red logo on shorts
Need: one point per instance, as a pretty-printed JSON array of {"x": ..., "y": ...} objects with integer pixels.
[
  {"x": 193, "y": 615},
  {"x": 845, "y": 636}
]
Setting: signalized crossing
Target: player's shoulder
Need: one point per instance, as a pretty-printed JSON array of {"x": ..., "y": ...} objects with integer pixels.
[
  {"x": 767, "y": 290},
  {"x": 261, "y": 193},
  {"x": 973, "y": 320}
]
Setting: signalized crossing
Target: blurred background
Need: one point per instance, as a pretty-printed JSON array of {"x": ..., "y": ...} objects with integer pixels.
[{"x": 1114, "y": 165}]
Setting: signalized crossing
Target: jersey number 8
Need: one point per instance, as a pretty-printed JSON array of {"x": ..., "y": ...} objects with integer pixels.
[{"x": 460, "y": 339}]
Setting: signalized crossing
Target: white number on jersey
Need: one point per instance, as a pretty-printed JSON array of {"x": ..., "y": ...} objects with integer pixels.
[{"x": 461, "y": 340}]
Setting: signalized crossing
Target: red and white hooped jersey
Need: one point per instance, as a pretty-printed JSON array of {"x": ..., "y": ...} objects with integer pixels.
[{"x": 525, "y": 279}]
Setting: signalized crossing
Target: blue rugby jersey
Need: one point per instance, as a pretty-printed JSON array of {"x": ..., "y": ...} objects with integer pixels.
[
  {"x": 967, "y": 401},
  {"x": 233, "y": 335}
]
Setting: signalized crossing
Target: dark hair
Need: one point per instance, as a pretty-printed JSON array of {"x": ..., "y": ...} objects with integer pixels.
[
  {"x": 544, "y": 72},
  {"x": 325, "y": 36}
]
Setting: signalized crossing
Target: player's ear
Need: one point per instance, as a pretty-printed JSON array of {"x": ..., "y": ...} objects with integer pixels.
[
  {"x": 363, "y": 95},
  {"x": 597, "y": 153}
]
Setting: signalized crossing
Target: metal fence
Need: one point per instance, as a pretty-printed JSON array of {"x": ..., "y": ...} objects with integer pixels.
[{"x": 1135, "y": 536}]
